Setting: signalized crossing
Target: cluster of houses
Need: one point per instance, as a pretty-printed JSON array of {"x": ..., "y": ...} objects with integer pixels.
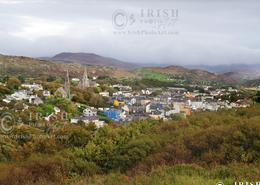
[
  {"x": 128, "y": 105},
  {"x": 27, "y": 93}
]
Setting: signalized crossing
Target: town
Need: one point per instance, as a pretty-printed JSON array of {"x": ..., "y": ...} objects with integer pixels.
[{"x": 123, "y": 104}]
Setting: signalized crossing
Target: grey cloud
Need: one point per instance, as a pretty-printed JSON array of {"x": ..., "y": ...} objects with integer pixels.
[{"x": 210, "y": 32}]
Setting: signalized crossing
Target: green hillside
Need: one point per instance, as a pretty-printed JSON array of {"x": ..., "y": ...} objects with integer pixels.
[{"x": 146, "y": 73}]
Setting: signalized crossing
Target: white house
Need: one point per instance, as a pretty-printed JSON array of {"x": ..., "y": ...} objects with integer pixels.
[
  {"x": 125, "y": 108},
  {"x": 127, "y": 94},
  {"x": 104, "y": 94},
  {"x": 76, "y": 80},
  {"x": 148, "y": 108},
  {"x": 20, "y": 95},
  {"x": 46, "y": 93},
  {"x": 176, "y": 110},
  {"x": 89, "y": 112},
  {"x": 34, "y": 86},
  {"x": 37, "y": 101},
  {"x": 133, "y": 101},
  {"x": 57, "y": 110},
  {"x": 87, "y": 120},
  {"x": 146, "y": 92}
]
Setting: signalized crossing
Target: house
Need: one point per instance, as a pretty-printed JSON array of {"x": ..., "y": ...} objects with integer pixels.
[
  {"x": 33, "y": 87},
  {"x": 144, "y": 102},
  {"x": 57, "y": 110},
  {"x": 125, "y": 108},
  {"x": 123, "y": 115},
  {"x": 54, "y": 115},
  {"x": 127, "y": 94},
  {"x": 171, "y": 112},
  {"x": 132, "y": 101},
  {"x": 104, "y": 94},
  {"x": 75, "y": 80},
  {"x": 118, "y": 93},
  {"x": 196, "y": 105},
  {"x": 61, "y": 92},
  {"x": 157, "y": 115},
  {"x": 87, "y": 120},
  {"x": 89, "y": 112},
  {"x": 37, "y": 101},
  {"x": 20, "y": 95},
  {"x": 17, "y": 96},
  {"x": 122, "y": 87},
  {"x": 118, "y": 103},
  {"x": 147, "y": 92},
  {"x": 156, "y": 106},
  {"x": 75, "y": 120},
  {"x": 7, "y": 100},
  {"x": 148, "y": 108},
  {"x": 46, "y": 93},
  {"x": 138, "y": 110},
  {"x": 113, "y": 114},
  {"x": 99, "y": 123}
]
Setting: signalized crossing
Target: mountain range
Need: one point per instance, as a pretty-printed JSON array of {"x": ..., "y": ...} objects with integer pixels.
[
  {"x": 90, "y": 59},
  {"x": 235, "y": 71},
  {"x": 241, "y": 72},
  {"x": 104, "y": 66}
]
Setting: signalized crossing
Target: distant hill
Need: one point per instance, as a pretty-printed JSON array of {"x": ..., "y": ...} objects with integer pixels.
[
  {"x": 239, "y": 72},
  {"x": 185, "y": 74},
  {"x": 252, "y": 83},
  {"x": 90, "y": 59},
  {"x": 17, "y": 65},
  {"x": 226, "y": 67}
]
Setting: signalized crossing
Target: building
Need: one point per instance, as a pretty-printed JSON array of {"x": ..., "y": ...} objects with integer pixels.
[
  {"x": 89, "y": 112},
  {"x": 34, "y": 86},
  {"x": 46, "y": 93},
  {"x": 37, "y": 101},
  {"x": 87, "y": 120},
  {"x": 75, "y": 80},
  {"x": 61, "y": 92},
  {"x": 67, "y": 85},
  {"x": 64, "y": 92},
  {"x": 113, "y": 114},
  {"x": 85, "y": 82},
  {"x": 104, "y": 94}
]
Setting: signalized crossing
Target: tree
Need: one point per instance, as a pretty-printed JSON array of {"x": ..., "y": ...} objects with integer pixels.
[
  {"x": 13, "y": 83},
  {"x": 4, "y": 90}
]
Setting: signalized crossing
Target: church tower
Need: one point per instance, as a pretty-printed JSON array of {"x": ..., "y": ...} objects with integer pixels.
[
  {"x": 85, "y": 81},
  {"x": 67, "y": 85}
]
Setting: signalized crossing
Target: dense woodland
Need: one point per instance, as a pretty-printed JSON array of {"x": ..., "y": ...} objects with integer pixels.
[{"x": 204, "y": 148}]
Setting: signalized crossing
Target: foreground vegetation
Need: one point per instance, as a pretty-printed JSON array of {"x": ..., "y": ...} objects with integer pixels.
[{"x": 204, "y": 148}]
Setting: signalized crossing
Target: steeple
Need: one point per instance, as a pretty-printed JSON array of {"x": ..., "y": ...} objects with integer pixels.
[
  {"x": 85, "y": 81},
  {"x": 67, "y": 85}
]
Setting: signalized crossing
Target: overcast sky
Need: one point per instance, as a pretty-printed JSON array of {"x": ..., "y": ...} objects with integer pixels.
[{"x": 205, "y": 32}]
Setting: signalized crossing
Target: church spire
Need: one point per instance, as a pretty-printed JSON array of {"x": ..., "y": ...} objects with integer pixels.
[
  {"x": 85, "y": 81},
  {"x": 67, "y": 84}
]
